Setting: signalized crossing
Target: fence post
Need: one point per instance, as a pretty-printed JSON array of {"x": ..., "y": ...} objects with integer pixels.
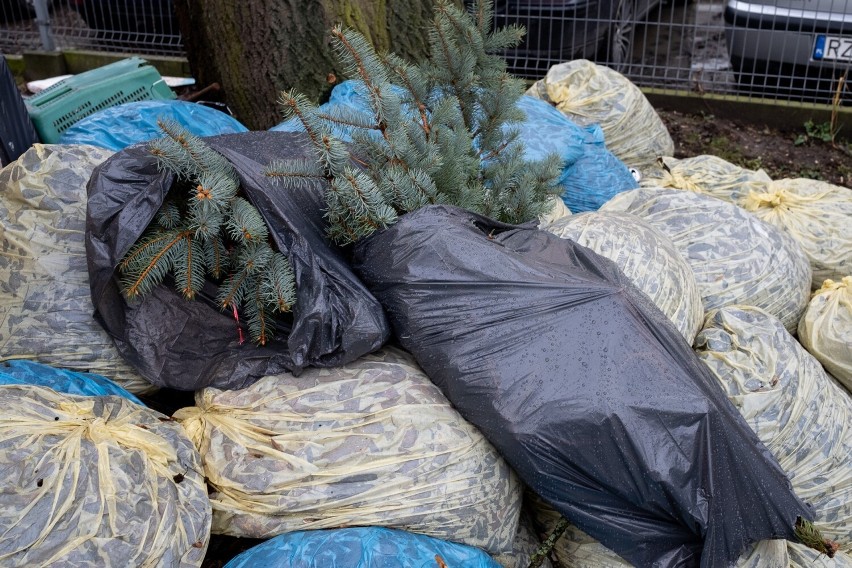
[{"x": 43, "y": 21}]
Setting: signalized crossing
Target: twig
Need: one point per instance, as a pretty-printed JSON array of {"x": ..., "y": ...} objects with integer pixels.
[
  {"x": 545, "y": 548},
  {"x": 810, "y": 536}
]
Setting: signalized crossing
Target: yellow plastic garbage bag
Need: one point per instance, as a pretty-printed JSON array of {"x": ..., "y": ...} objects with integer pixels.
[
  {"x": 45, "y": 303},
  {"x": 818, "y": 215},
  {"x": 576, "y": 549},
  {"x": 371, "y": 443},
  {"x": 97, "y": 481},
  {"x": 705, "y": 174},
  {"x": 801, "y": 414},
  {"x": 825, "y": 329}
]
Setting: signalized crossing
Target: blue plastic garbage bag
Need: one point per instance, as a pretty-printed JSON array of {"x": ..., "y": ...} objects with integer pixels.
[
  {"x": 23, "y": 372},
  {"x": 595, "y": 177},
  {"x": 376, "y": 547},
  {"x": 121, "y": 126}
]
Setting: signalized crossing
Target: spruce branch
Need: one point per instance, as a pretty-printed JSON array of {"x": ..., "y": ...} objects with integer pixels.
[
  {"x": 245, "y": 225},
  {"x": 189, "y": 266},
  {"x": 206, "y": 229},
  {"x": 297, "y": 172},
  {"x": 168, "y": 217},
  {"x": 543, "y": 551},
  {"x": 141, "y": 279},
  {"x": 279, "y": 284}
]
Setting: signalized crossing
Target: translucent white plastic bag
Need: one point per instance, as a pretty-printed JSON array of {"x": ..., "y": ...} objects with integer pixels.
[
  {"x": 371, "y": 443},
  {"x": 594, "y": 94},
  {"x": 826, "y": 328},
  {"x": 97, "y": 481},
  {"x": 646, "y": 256},
  {"x": 801, "y": 414},
  {"x": 705, "y": 174},
  {"x": 45, "y": 303},
  {"x": 818, "y": 215},
  {"x": 736, "y": 257}
]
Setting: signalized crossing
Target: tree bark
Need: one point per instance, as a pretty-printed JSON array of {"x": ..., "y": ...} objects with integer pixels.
[{"x": 256, "y": 48}]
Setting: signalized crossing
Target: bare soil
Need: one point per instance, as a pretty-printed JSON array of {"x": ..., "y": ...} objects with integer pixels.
[{"x": 800, "y": 152}]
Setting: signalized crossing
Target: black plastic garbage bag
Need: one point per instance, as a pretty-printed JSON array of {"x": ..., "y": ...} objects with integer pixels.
[
  {"x": 190, "y": 345},
  {"x": 582, "y": 384}
]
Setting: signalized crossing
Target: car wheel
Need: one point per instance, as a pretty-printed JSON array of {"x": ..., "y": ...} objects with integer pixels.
[{"x": 621, "y": 33}]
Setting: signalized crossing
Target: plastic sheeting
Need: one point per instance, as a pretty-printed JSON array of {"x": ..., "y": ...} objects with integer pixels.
[
  {"x": 371, "y": 443},
  {"x": 594, "y": 94},
  {"x": 45, "y": 306},
  {"x": 736, "y": 258},
  {"x": 60, "y": 380},
  {"x": 826, "y": 328},
  {"x": 97, "y": 481},
  {"x": 576, "y": 549},
  {"x": 817, "y": 215},
  {"x": 802, "y": 415},
  {"x": 190, "y": 345},
  {"x": 118, "y": 127},
  {"x": 709, "y": 175},
  {"x": 358, "y": 548},
  {"x": 585, "y": 387},
  {"x": 646, "y": 256}
]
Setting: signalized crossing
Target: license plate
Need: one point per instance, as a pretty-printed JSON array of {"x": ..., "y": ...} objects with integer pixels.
[{"x": 835, "y": 48}]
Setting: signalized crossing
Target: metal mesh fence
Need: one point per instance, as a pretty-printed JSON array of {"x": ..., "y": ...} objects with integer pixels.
[
  {"x": 787, "y": 49},
  {"x": 135, "y": 26}
]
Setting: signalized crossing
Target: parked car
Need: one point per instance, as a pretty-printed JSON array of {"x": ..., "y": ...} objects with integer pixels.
[
  {"x": 800, "y": 47},
  {"x": 560, "y": 30}
]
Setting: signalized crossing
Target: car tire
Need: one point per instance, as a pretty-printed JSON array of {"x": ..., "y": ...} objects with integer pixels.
[{"x": 620, "y": 37}]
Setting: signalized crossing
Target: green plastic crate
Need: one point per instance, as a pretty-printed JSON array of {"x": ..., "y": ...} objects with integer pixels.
[{"x": 58, "y": 107}]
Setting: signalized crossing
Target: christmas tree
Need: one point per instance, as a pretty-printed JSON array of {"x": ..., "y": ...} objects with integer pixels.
[
  {"x": 437, "y": 132},
  {"x": 206, "y": 230}
]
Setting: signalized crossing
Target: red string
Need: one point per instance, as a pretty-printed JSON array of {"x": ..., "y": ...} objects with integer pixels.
[{"x": 237, "y": 318}]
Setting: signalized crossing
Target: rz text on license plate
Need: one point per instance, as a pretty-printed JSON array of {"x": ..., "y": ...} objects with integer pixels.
[{"x": 833, "y": 47}]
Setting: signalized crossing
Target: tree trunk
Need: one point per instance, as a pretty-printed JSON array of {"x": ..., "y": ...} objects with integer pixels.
[{"x": 256, "y": 48}]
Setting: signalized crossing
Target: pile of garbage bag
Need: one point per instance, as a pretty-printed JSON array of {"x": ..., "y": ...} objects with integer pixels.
[
  {"x": 355, "y": 547},
  {"x": 531, "y": 336},
  {"x": 591, "y": 173},
  {"x": 816, "y": 214},
  {"x": 594, "y": 94},
  {"x": 447, "y": 388},
  {"x": 23, "y": 372},
  {"x": 792, "y": 404}
]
